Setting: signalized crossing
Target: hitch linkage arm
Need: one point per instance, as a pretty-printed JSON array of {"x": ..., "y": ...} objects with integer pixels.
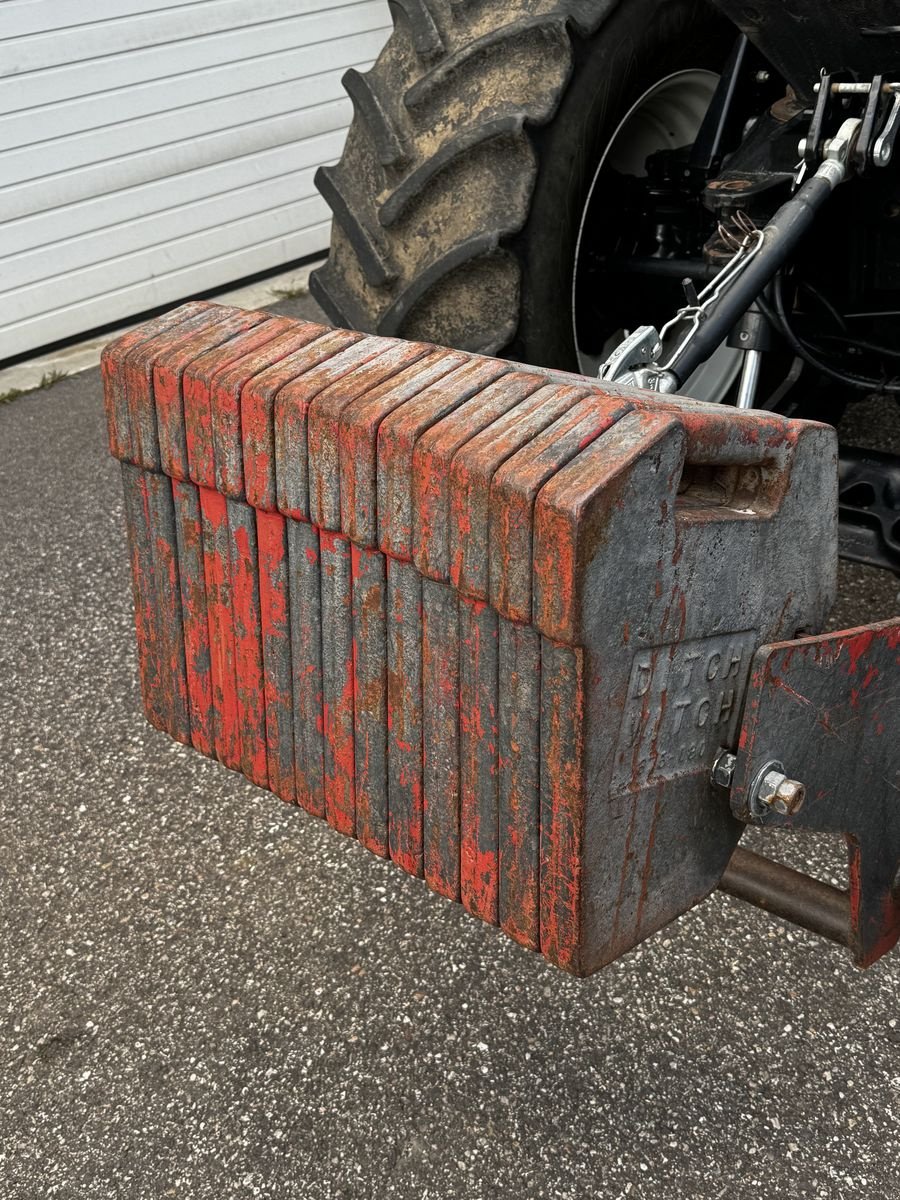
[{"x": 749, "y": 275}]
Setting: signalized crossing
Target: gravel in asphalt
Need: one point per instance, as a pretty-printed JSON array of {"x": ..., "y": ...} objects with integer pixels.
[{"x": 205, "y": 993}]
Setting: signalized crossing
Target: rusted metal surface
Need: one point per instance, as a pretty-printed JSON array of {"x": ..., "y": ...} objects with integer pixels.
[
  {"x": 515, "y": 485},
  {"x": 829, "y": 708},
  {"x": 404, "y": 715},
  {"x": 337, "y": 682},
  {"x": 435, "y": 453},
  {"x": 360, "y": 425},
  {"x": 790, "y": 894},
  {"x": 493, "y": 622},
  {"x": 184, "y": 409},
  {"x": 325, "y": 413},
  {"x": 398, "y": 435},
  {"x": 258, "y": 407},
  {"x": 479, "y": 737},
  {"x": 274, "y": 607},
  {"x": 472, "y": 474},
  {"x": 192, "y": 581},
  {"x": 113, "y": 362},
  {"x": 220, "y": 622},
  {"x": 519, "y": 783},
  {"x": 370, "y": 703},
  {"x": 159, "y": 417},
  {"x": 304, "y": 564},
  {"x": 153, "y": 552},
  {"x": 227, "y": 387},
  {"x": 243, "y": 559},
  {"x": 441, "y": 698},
  {"x": 291, "y": 417}
]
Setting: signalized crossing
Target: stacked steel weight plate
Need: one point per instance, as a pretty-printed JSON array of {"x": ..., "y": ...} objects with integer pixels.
[{"x": 491, "y": 622}]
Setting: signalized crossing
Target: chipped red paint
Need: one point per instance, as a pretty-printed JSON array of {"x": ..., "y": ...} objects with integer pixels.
[
  {"x": 441, "y": 737},
  {"x": 325, "y": 418},
  {"x": 454, "y": 605},
  {"x": 306, "y": 662},
  {"x": 358, "y": 440},
  {"x": 398, "y": 434},
  {"x": 570, "y": 517},
  {"x": 516, "y": 483},
  {"x": 369, "y": 587},
  {"x": 137, "y": 517},
  {"x": 274, "y": 608},
  {"x": 220, "y": 615},
  {"x": 166, "y": 700},
  {"x": 519, "y": 798},
  {"x": 562, "y": 804},
  {"x": 167, "y": 427},
  {"x": 828, "y": 707},
  {"x": 189, "y": 535},
  {"x": 248, "y": 650},
  {"x": 267, "y": 347},
  {"x": 404, "y": 713},
  {"x": 138, "y": 370},
  {"x": 291, "y": 417},
  {"x": 113, "y": 364},
  {"x": 182, "y": 384},
  {"x": 438, "y": 448},
  {"x": 479, "y": 737},
  {"x": 337, "y": 682},
  {"x": 258, "y": 406}
]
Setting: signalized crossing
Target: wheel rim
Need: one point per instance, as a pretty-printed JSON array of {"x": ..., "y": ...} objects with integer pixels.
[{"x": 667, "y": 116}]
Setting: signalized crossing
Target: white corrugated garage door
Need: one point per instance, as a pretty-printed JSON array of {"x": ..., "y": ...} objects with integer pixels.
[{"x": 152, "y": 149}]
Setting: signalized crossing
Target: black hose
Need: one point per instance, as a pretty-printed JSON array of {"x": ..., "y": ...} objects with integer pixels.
[
  {"x": 825, "y": 303},
  {"x": 872, "y": 347},
  {"x": 780, "y": 318}
]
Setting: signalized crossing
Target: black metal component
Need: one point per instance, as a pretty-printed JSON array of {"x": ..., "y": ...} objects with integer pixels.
[
  {"x": 752, "y": 332},
  {"x": 790, "y": 894},
  {"x": 861, "y": 154},
  {"x": 815, "y": 138},
  {"x": 779, "y": 240},
  {"x": 762, "y": 165},
  {"x": 869, "y": 507},
  {"x": 694, "y": 269},
  {"x": 716, "y": 130},
  {"x": 858, "y": 36},
  {"x": 828, "y": 707}
]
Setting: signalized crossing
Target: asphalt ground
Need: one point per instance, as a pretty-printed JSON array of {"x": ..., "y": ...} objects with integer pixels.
[{"x": 205, "y": 993}]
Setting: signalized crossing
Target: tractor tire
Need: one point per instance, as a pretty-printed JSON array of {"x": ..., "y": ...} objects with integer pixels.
[{"x": 476, "y": 135}]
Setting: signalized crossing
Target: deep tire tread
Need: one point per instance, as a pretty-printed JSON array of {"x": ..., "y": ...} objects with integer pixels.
[
  {"x": 425, "y": 33},
  {"x": 412, "y": 195},
  {"x": 409, "y": 189},
  {"x": 442, "y": 73},
  {"x": 368, "y": 108},
  {"x": 373, "y": 257}
]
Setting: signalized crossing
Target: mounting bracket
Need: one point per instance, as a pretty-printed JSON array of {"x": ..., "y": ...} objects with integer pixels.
[{"x": 829, "y": 708}]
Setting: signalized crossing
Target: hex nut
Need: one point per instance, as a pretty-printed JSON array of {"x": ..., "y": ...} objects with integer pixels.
[
  {"x": 723, "y": 769},
  {"x": 780, "y": 794}
]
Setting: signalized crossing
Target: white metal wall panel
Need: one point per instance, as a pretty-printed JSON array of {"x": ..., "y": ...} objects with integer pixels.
[{"x": 153, "y": 149}]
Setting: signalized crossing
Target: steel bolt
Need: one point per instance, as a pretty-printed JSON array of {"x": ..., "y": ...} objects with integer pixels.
[
  {"x": 723, "y": 769},
  {"x": 779, "y": 794}
]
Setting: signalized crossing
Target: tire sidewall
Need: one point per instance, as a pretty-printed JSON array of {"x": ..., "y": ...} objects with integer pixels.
[{"x": 642, "y": 42}]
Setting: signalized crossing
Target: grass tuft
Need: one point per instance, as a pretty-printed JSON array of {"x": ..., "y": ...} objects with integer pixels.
[
  {"x": 291, "y": 293},
  {"x": 47, "y": 381}
]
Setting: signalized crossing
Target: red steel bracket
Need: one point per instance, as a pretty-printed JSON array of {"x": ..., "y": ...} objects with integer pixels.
[{"x": 826, "y": 711}]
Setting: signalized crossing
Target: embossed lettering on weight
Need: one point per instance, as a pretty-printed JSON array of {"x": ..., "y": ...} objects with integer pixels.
[{"x": 683, "y": 701}]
